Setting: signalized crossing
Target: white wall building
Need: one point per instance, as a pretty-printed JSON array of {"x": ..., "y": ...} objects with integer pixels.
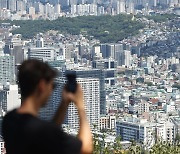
[
  {"x": 142, "y": 131},
  {"x": 121, "y": 6},
  {"x": 13, "y": 98},
  {"x": 10, "y": 98},
  {"x": 90, "y": 87},
  {"x": 45, "y": 54}
]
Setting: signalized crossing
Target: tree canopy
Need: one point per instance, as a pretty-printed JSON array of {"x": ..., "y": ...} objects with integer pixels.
[{"x": 104, "y": 28}]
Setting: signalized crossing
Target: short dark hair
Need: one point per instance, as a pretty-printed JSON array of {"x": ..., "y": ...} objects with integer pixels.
[{"x": 30, "y": 73}]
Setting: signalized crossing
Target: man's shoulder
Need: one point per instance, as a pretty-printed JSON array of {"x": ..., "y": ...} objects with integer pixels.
[{"x": 26, "y": 122}]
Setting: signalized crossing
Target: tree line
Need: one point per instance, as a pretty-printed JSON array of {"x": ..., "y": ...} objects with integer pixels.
[{"x": 107, "y": 29}]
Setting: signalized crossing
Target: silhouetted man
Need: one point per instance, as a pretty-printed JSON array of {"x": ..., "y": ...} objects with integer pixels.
[{"x": 25, "y": 133}]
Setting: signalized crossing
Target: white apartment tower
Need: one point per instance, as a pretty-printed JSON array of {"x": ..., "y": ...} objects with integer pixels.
[
  {"x": 7, "y": 69},
  {"x": 90, "y": 87},
  {"x": 121, "y": 6},
  {"x": 13, "y": 98}
]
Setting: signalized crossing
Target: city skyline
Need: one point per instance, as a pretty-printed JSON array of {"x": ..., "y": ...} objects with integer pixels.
[{"x": 131, "y": 82}]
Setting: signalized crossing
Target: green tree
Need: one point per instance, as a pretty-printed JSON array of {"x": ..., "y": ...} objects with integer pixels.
[{"x": 104, "y": 28}]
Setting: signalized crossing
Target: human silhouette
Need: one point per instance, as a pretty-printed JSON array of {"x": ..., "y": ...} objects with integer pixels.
[{"x": 25, "y": 133}]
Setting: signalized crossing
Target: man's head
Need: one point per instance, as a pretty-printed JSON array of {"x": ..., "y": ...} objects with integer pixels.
[{"x": 36, "y": 78}]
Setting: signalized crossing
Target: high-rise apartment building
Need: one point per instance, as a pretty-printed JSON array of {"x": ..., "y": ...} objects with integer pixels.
[
  {"x": 130, "y": 7},
  {"x": 14, "y": 48},
  {"x": 123, "y": 58},
  {"x": 91, "y": 91},
  {"x": 121, "y": 6},
  {"x": 48, "y": 111},
  {"x": 94, "y": 73},
  {"x": 3, "y": 4},
  {"x": 10, "y": 98},
  {"x": 12, "y": 5},
  {"x": 109, "y": 66},
  {"x": 7, "y": 69},
  {"x": 109, "y": 50}
]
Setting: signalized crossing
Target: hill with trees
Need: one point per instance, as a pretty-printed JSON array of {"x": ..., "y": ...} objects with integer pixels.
[{"x": 104, "y": 28}]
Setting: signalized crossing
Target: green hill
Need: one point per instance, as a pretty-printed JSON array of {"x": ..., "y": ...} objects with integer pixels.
[{"x": 105, "y": 28}]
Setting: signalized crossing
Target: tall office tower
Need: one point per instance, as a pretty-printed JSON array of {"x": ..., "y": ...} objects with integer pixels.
[
  {"x": 118, "y": 47},
  {"x": 127, "y": 55},
  {"x": 47, "y": 112},
  {"x": 152, "y": 3},
  {"x": 29, "y": 4},
  {"x": 103, "y": 48},
  {"x": 72, "y": 2},
  {"x": 94, "y": 73},
  {"x": 73, "y": 9},
  {"x": 12, "y": 5},
  {"x": 21, "y": 6},
  {"x": 108, "y": 50},
  {"x": 14, "y": 48},
  {"x": 96, "y": 52},
  {"x": 145, "y": 3},
  {"x": 81, "y": 48},
  {"x": 123, "y": 58},
  {"x": 39, "y": 8},
  {"x": 121, "y": 6},
  {"x": 81, "y": 1},
  {"x": 90, "y": 87},
  {"x": 39, "y": 41},
  {"x": 64, "y": 3},
  {"x": 173, "y": 3},
  {"x": 67, "y": 49},
  {"x": 7, "y": 69},
  {"x": 83, "y": 9},
  {"x": 93, "y": 9},
  {"x": 54, "y": 2},
  {"x": 130, "y": 7},
  {"x": 140, "y": 3},
  {"x": 109, "y": 66},
  {"x": 164, "y": 2},
  {"x": 3, "y": 4},
  {"x": 10, "y": 98},
  {"x": 100, "y": 11},
  {"x": 49, "y": 10},
  {"x": 45, "y": 54},
  {"x": 120, "y": 58},
  {"x": 31, "y": 11},
  {"x": 57, "y": 9}
]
